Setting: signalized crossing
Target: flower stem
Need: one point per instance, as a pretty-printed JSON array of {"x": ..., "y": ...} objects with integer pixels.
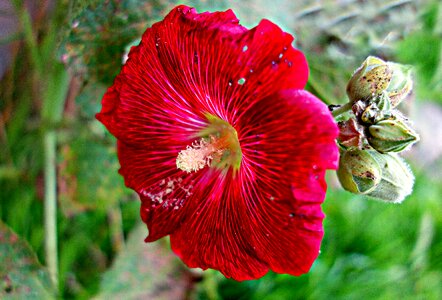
[
  {"x": 50, "y": 204},
  {"x": 29, "y": 36},
  {"x": 342, "y": 109},
  {"x": 116, "y": 228}
]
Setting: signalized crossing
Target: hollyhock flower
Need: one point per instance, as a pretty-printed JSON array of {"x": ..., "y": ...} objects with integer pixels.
[{"x": 224, "y": 148}]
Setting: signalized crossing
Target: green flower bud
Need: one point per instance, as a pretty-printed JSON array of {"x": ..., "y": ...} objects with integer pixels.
[
  {"x": 391, "y": 136},
  {"x": 358, "y": 171},
  {"x": 397, "y": 179},
  {"x": 376, "y": 77},
  {"x": 371, "y": 79},
  {"x": 385, "y": 177}
]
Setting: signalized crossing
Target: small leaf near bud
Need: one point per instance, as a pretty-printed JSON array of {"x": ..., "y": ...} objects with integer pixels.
[
  {"x": 358, "y": 171},
  {"x": 397, "y": 179},
  {"x": 391, "y": 136},
  {"x": 351, "y": 134},
  {"x": 383, "y": 102},
  {"x": 401, "y": 83}
]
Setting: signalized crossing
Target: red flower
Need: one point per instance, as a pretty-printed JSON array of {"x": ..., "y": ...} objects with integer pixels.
[{"x": 224, "y": 148}]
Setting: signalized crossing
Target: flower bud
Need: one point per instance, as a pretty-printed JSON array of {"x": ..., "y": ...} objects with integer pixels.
[
  {"x": 391, "y": 136},
  {"x": 370, "y": 80},
  {"x": 376, "y": 77},
  {"x": 385, "y": 177},
  {"x": 358, "y": 171},
  {"x": 397, "y": 179}
]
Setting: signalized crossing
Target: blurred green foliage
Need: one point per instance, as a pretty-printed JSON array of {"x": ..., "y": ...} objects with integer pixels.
[
  {"x": 22, "y": 276},
  {"x": 423, "y": 49},
  {"x": 371, "y": 250}
]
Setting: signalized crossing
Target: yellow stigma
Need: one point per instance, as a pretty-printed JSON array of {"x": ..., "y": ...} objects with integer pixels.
[
  {"x": 199, "y": 155},
  {"x": 217, "y": 147}
]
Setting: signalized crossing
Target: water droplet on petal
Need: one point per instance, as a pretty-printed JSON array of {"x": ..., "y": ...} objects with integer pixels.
[
  {"x": 315, "y": 167},
  {"x": 280, "y": 55},
  {"x": 245, "y": 48}
]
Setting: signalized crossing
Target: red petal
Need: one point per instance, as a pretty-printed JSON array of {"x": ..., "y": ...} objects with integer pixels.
[
  {"x": 215, "y": 234},
  {"x": 163, "y": 189},
  {"x": 269, "y": 216},
  {"x": 191, "y": 64}
]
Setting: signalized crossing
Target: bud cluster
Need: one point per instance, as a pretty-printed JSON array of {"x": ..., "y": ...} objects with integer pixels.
[{"x": 374, "y": 130}]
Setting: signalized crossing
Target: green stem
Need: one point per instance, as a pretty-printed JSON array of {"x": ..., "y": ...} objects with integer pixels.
[
  {"x": 116, "y": 228},
  {"x": 50, "y": 204},
  {"x": 342, "y": 109},
  {"x": 29, "y": 35}
]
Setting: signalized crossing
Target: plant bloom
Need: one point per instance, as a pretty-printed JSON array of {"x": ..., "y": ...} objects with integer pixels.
[{"x": 224, "y": 148}]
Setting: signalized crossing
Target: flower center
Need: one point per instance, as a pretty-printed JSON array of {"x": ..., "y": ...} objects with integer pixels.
[{"x": 217, "y": 147}]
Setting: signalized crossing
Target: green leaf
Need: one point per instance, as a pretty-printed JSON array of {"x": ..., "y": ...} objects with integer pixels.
[
  {"x": 145, "y": 271},
  {"x": 21, "y": 275}
]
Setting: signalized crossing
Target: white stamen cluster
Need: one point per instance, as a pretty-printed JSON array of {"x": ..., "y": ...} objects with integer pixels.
[{"x": 196, "y": 157}]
